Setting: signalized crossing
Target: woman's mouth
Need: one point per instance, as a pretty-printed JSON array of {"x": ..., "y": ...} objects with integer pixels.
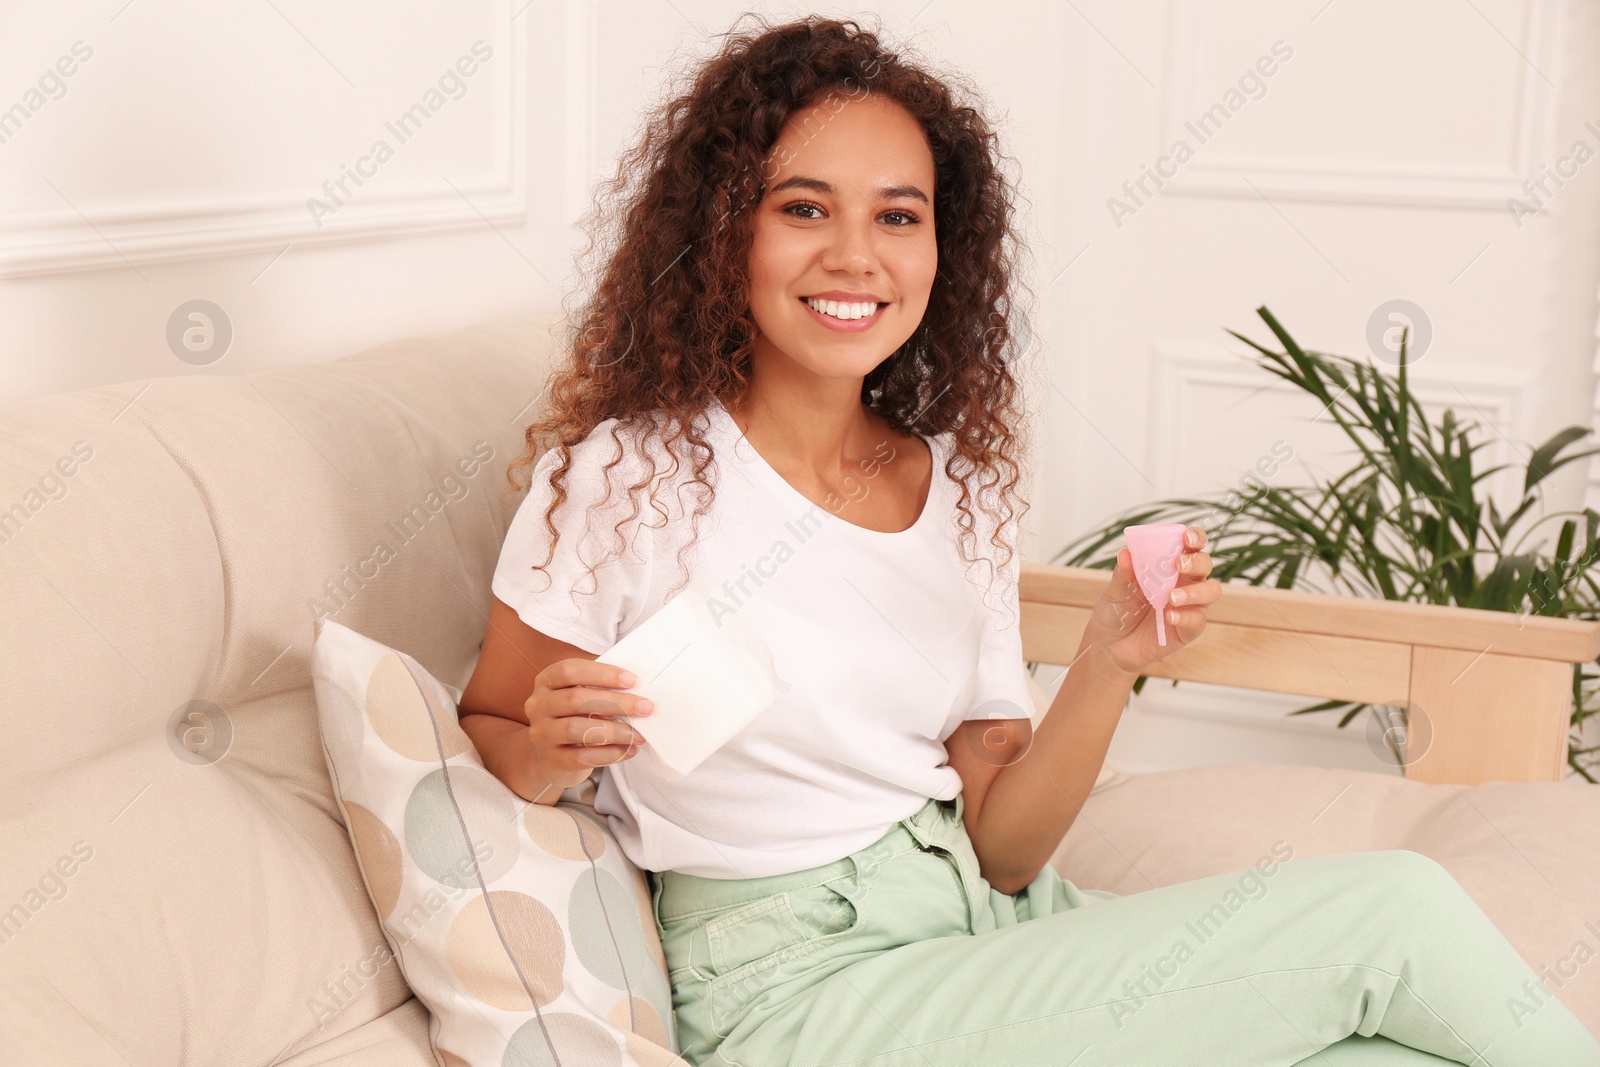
[{"x": 844, "y": 316}]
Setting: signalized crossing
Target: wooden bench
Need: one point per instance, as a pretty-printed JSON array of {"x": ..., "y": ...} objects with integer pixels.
[{"x": 1493, "y": 688}]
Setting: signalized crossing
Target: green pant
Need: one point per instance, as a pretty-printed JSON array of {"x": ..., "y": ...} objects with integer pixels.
[{"x": 903, "y": 954}]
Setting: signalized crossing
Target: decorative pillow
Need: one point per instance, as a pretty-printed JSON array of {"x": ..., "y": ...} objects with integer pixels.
[{"x": 523, "y": 928}]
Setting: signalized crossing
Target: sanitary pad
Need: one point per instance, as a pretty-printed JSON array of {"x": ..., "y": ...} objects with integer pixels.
[{"x": 709, "y": 674}]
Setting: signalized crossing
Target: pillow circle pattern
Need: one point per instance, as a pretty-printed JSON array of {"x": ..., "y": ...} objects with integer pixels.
[{"x": 528, "y": 934}]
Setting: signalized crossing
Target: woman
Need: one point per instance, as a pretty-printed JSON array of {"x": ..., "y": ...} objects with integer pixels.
[{"x": 804, "y": 325}]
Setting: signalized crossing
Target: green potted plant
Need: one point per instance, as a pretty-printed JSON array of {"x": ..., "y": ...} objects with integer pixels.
[{"x": 1403, "y": 523}]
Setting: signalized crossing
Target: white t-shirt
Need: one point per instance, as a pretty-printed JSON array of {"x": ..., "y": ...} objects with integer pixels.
[{"x": 888, "y": 642}]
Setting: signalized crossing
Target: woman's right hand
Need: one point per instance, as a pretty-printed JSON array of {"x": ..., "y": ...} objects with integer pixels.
[{"x": 573, "y": 716}]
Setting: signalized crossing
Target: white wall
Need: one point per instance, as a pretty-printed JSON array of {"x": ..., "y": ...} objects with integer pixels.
[
  {"x": 1373, "y": 164},
  {"x": 179, "y": 162}
]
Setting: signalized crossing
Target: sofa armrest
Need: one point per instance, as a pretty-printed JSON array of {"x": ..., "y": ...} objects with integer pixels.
[{"x": 1492, "y": 688}]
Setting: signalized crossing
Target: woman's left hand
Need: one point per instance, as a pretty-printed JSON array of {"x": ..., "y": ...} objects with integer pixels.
[{"x": 1123, "y": 624}]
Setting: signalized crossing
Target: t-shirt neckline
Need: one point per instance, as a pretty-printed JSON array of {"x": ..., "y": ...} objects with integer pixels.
[{"x": 778, "y": 483}]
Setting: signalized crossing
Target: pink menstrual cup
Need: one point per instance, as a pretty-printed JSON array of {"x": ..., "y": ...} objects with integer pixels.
[{"x": 1155, "y": 548}]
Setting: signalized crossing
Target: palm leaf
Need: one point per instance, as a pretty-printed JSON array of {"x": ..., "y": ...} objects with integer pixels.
[{"x": 1402, "y": 522}]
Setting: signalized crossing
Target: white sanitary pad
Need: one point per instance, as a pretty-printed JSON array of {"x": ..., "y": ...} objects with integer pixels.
[{"x": 709, "y": 676}]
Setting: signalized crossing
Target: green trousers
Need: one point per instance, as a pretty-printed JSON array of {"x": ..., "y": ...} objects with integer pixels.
[{"x": 902, "y": 955}]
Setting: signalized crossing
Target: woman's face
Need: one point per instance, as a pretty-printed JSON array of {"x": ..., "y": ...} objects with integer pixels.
[{"x": 848, "y": 211}]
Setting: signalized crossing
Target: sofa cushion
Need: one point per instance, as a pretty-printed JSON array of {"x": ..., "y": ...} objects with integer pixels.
[
  {"x": 523, "y": 927},
  {"x": 156, "y": 613},
  {"x": 1525, "y": 851}
]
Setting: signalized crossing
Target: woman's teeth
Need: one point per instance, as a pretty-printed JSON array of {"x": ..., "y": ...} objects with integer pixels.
[{"x": 842, "y": 309}]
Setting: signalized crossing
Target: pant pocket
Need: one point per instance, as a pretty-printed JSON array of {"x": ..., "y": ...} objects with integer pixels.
[
  {"x": 750, "y": 933},
  {"x": 771, "y": 941},
  {"x": 823, "y": 913}
]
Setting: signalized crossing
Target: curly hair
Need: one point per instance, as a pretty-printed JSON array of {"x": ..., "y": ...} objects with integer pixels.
[{"x": 669, "y": 325}]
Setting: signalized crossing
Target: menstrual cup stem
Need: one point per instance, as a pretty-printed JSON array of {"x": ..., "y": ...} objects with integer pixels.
[{"x": 1155, "y": 548}]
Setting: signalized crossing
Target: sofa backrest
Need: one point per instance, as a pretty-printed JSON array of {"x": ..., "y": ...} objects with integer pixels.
[{"x": 176, "y": 880}]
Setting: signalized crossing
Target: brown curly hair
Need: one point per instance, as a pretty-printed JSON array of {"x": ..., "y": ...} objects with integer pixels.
[{"x": 669, "y": 325}]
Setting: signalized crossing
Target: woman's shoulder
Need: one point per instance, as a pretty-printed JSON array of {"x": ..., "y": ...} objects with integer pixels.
[
  {"x": 618, "y": 439},
  {"x": 631, "y": 453}
]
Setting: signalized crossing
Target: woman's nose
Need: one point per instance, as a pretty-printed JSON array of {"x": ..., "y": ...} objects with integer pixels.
[{"x": 852, "y": 248}]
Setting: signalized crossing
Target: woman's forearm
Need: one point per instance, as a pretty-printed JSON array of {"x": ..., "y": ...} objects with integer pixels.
[
  {"x": 1032, "y": 803},
  {"x": 507, "y": 752}
]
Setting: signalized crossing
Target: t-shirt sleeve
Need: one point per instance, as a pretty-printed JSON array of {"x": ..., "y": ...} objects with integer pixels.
[
  {"x": 563, "y": 600},
  {"x": 1001, "y": 690}
]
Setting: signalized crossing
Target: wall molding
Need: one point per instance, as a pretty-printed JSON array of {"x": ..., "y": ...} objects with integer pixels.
[
  {"x": 1216, "y": 174},
  {"x": 132, "y": 233},
  {"x": 1501, "y": 398},
  {"x": 582, "y": 91},
  {"x": 1592, "y": 491}
]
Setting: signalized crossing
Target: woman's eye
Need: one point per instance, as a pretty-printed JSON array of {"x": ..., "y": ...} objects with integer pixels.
[{"x": 805, "y": 205}]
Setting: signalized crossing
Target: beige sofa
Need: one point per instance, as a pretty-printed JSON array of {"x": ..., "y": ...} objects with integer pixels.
[{"x": 174, "y": 897}]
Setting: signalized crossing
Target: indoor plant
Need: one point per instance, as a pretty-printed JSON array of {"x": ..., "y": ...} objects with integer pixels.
[{"x": 1403, "y": 523}]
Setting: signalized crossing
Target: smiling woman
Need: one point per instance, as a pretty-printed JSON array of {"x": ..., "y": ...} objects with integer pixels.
[
  {"x": 858, "y": 875},
  {"x": 889, "y": 219}
]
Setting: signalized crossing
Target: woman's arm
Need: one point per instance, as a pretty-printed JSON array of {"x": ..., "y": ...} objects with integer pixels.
[
  {"x": 492, "y": 709},
  {"x": 1021, "y": 798},
  {"x": 1017, "y": 809}
]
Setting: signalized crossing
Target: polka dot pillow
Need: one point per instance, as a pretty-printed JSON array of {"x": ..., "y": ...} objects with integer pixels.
[{"x": 523, "y": 928}]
